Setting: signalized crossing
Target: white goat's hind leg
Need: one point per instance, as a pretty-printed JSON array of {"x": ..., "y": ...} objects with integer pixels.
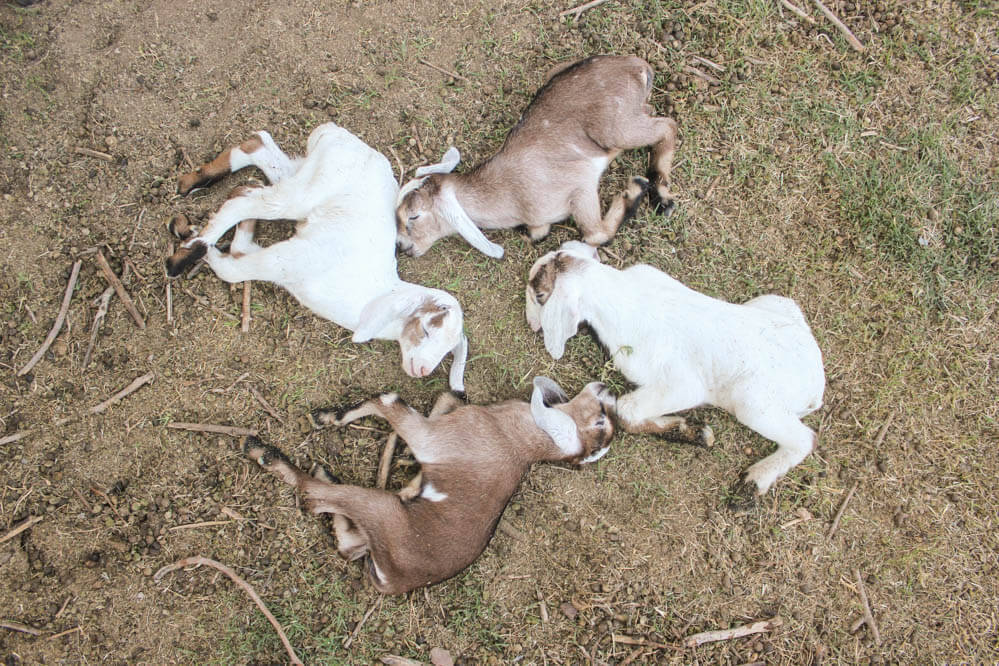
[
  {"x": 265, "y": 263},
  {"x": 259, "y": 151},
  {"x": 794, "y": 441},
  {"x": 648, "y": 409},
  {"x": 242, "y": 240}
]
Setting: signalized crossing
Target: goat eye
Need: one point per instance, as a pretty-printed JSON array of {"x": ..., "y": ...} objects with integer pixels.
[
  {"x": 413, "y": 217},
  {"x": 426, "y": 333}
]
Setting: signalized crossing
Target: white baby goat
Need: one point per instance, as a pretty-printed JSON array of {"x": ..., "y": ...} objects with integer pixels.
[
  {"x": 550, "y": 164},
  {"x": 758, "y": 360},
  {"x": 472, "y": 459},
  {"x": 341, "y": 262}
]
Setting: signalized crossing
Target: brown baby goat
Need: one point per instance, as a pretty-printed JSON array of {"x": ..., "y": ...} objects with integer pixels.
[{"x": 472, "y": 459}]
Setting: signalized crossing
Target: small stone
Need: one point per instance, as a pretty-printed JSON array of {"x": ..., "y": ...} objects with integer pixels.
[{"x": 569, "y": 610}]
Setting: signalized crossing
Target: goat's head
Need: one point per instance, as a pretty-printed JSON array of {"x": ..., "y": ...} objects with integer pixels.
[
  {"x": 426, "y": 322},
  {"x": 552, "y": 297},
  {"x": 428, "y": 210},
  {"x": 582, "y": 427}
]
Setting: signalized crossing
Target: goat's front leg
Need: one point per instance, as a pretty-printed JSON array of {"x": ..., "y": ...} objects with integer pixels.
[
  {"x": 650, "y": 409},
  {"x": 794, "y": 440},
  {"x": 586, "y": 211},
  {"x": 406, "y": 421}
]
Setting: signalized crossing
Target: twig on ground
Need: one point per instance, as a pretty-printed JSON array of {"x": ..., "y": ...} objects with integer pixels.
[
  {"x": 17, "y": 626},
  {"x": 202, "y": 301},
  {"x": 102, "y": 311},
  {"x": 93, "y": 153},
  {"x": 868, "y": 616},
  {"x": 194, "y": 526},
  {"x": 735, "y": 632},
  {"x": 705, "y": 61},
  {"x": 64, "y": 606},
  {"x": 579, "y": 9},
  {"x": 797, "y": 11},
  {"x": 701, "y": 75},
  {"x": 244, "y": 324},
  {"x": 197, "y": 560},
  {"x": 402, "y": 171},
  {"x": 107, "y": 499},
  {"x": 857, "y": 624},
  {"x": 396, "y": 660},
  {"x": 879, "y": 440},
  {"x": 119, "y": 288},
  {"x": 508, "y": 529},
  {"x": 25, "y": 524},
  {"x": 211, "y": 427},
  {"x": 542, "y": 606},
  {"x": 842, "y": 508},
  {"x": 10, "y": 439},
  {"x": 263, "y": 403},
  {"x": 64, "y": 633},
  {"x": 633, "y": 655},
  {"x": 83, "y": 500},
  {"x": 136, "y": 384},
  {"x": 385, "y": 464},
  {"x": 169, "y": 290},
  {"x": 60, "y": 318},
  {"x": 442, "y": 70},
  {"x": 854, "y": 42},
  {"x": 357, "y": 629}
]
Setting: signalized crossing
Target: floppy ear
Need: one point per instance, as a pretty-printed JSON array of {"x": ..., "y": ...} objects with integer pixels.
[
  {"x": 556, "y": 424},
  {"x": 446, "y": 165},
  {"x": 462, "y": 223},
  {"x": 456, "y": 378},
  {"x": 381, "y": 312},
  {"x": 560, "y": 318}
]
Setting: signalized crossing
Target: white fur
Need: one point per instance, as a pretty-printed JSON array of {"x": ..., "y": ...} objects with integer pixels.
[
  {"x": 341, "y": 261},
  {"x": 758, "y": 360},
  {"x": 432, "y": 494}
]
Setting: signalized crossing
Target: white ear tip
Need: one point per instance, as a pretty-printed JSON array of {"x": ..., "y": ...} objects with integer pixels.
[{"x": 495, "y": 251}]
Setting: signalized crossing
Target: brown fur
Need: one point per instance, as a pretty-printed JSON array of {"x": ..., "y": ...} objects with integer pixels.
[
  {"x": 474, "y": 455},
  {"x": 208, "y": 173}
]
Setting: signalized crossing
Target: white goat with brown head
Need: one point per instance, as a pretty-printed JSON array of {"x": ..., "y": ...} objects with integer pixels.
[
  {"x": 759, "y": 360},
  {"x": 550, "y": 164},
  {"x": 472, "y": 459},
  {"x": 341, "y": 261}
]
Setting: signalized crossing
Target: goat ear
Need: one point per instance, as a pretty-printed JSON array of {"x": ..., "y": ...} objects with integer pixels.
[
  {"x": 380, "y": 313},
  {"x": 456, "y": 378},
  {"x": 559, "y": 319},
  {"x": 555, "y": 423},
  {"x": 462, "y": 223},
  {"x": 446, "y": 165}
]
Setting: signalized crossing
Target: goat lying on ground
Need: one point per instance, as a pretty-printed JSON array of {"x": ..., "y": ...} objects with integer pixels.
[
  {"x": 472, "y": 459},
  {"x": 759, "y": 360},
  {"x": 341, "y": 261},
  {"x": 550, "y": 164}
]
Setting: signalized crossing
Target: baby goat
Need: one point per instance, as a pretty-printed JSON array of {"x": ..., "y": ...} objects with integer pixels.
[
  {"x": 759, "y": 360},
  {"x": 341, "y": 261},
  {"x": 550, "y": 164},
  {"x": 472, "y": 459}
]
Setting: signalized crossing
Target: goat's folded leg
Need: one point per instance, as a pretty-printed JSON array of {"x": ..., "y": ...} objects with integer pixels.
[
  {"x": 259, "y": 151},
  {"x": 794, "y": 441},
  {"x": 648, "y": 410}
]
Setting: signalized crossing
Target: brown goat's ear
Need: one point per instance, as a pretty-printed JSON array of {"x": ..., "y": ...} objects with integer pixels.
[{"x": 551, "y": 393}]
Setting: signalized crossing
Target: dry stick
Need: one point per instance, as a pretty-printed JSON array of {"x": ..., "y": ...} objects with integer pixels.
[
  {"x": 581, "y": 8},
  {"x": 357, "y": 629},
  {"x": 705, "y": 61},
  {"x": 60, "y": 318},
  {"x": 169, "y": 291},
  {"x": 136, "y": 384},
  {"x": 93, "y": 153},
  {"x": 119, "y": 289},
  {"x": 193, "y": 526},
  {"x": 17, "y": 626},
  {"x": 385, "y": 464},
  {"x": 98, "y": 319},
  {"x": 842, "y": 508},
  {"x": 244, "y": 325},
  {"x": 857, "y": 624},
  {"x": 210, "y": 427},
  {"x": 736, "y": 632},
  {"x": 402, "y": 171},
  {"x": 854, "y": 42},
  {"x": 868, "y": 616},
  {"x": 628, "y": 640},
  {"x": 10, "y": 439},
  {"x": 197, "y": 560},
  {"x": 632, "y": 656},
  {"x": 701, "y": 75},
  {"x": 25, "y": 524},
  {"x": 797, "y": 12},
  {"x": 63, "y": 633},
  {"x": 442, "y": 70},
  {"x": 884, "y": 430},
  {"x": 263, "y": 403}
]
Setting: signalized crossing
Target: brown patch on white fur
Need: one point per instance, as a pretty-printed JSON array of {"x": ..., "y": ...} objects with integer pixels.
[
  {"x": 209, "y": 172},
  {"x": 429, "y": 314}
]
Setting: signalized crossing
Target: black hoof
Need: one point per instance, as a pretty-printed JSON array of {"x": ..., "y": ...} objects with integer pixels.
[
  {"x": 323, "y": 473},
  {"x": 263, "y": 454},
  {"x": 461, "y": 395},
  {"x": 664, "y": 207},
  {"x": 185, "y": 257},
  {"x": 180, "y": 226}
]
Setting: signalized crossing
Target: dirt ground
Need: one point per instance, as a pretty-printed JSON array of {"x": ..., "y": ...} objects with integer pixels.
[{"x": 861, "y": 184}]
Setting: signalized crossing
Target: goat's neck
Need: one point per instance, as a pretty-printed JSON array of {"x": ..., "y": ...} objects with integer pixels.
[{"x": 486, "y": 204}]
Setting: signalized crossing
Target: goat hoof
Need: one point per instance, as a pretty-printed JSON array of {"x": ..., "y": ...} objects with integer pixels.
[
  {"x": 185, "y": 257},
  {"x": 742, "y": 496},
  {"x": 181, "y": 227},
  {"x": 707, "y": 437},
  {"x": 461, "y": 395},
  {"x": 323, "y": 473},
  {"x": 263, "y": 454},
  {"x": 324, "y": 417},
  {"x": 192, "y": 181}
]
